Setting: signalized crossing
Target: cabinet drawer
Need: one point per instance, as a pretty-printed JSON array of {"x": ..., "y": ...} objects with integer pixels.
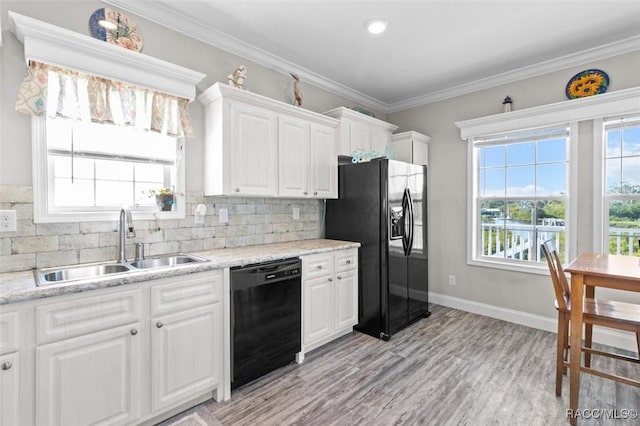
[
  {"x": 8, "y": 332},
  {"x": 317, "y": 265},
  {"x": 346, "y": 260},
  {"x": 83, "y": 315},
  {"x": 180, "y": 293}
]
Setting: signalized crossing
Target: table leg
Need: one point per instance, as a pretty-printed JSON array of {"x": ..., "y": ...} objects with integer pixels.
[
  {"x": 590, "y": 293},
  {"x": 577, "y": 296}
]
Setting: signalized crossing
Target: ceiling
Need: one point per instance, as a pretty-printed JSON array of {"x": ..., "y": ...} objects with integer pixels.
[{"x": 432, "y": 49}]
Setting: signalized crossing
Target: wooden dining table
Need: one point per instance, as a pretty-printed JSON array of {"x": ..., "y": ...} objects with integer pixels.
[{"x": 590, "y": 270}]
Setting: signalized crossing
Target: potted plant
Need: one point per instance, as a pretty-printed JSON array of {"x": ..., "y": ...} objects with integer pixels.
[{"x": 165, "y": 198}]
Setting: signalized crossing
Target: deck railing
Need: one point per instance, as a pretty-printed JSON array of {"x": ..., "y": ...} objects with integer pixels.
[{"x": 523, "y": 241}]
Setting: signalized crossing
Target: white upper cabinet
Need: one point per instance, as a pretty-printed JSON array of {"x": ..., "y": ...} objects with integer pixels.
[
  {"x": 411, "y": 147},
  {"x": 361, "y": 133},
  {"x": 253, "y": 146},
  {"x": 257, "y": 146}
]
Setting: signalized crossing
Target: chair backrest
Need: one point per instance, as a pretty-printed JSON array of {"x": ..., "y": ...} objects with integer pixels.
[{"x": 560, "y": 284}]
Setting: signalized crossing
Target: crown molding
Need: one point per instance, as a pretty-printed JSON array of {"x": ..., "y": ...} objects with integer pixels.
[
  {"x": 172, "y": 18},
  {"x": 608, "y": 104},
  {"x": 605, "y": 51},
  {"x": 58, "y": 46}
]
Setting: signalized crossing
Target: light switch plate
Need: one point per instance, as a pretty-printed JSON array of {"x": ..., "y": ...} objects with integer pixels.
[
  {"x": 296, "y": 213},
  {"x": 224, "y": 215},
  {"x": 8, "y": 221}
]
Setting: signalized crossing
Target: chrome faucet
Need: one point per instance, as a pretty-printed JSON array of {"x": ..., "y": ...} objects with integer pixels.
[{"x": 125, "y": 230}]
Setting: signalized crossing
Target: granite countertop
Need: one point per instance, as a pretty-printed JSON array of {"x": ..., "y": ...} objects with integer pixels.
[{"x": 20, "y": 286}]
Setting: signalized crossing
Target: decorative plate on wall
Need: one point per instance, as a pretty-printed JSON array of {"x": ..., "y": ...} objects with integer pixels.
[
  {"x": 587, "y": 83},
  {"x": 115, "y": 27}
]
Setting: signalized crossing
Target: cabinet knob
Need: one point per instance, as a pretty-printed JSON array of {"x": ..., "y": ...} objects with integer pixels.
[
  {"x": 339, "y": 277},
  {"x": 159, "y": 324},
  {"x": 348, "y": 262},
  {"x": 319, "y": 266},
  {"x": 7, "y": 365},
  {"x": 237, "y": 189},
  {"x": 133, "y": 331},
  {"x": 315, "y": 192},
  {"x": 330, "y": 279},
  {"x": 305, "y": 192}
]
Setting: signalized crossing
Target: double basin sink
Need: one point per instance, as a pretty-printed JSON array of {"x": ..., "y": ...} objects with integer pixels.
[{"x": 47, "y": 276}]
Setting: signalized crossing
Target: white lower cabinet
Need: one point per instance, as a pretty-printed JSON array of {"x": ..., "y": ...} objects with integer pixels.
[
  {"x": 9, "y": 389},
  {"x": 123, "y": 356},
  {"x": 186, "y": 355},
  {"x": 92, "y": 379},
  {"x": 330, "y": 296}
]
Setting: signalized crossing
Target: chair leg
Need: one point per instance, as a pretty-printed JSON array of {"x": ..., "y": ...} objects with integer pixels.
[
  {"x": 562, "y": 343},
  {"x": 566, "y": 342},
  {"x": 588, "y": 339}
]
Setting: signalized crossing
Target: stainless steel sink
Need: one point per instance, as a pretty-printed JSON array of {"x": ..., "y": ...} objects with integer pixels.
[
  {"x": 72, "y": 273},
  {"x": 164, "y": 261},
  {"x": 48, "y": 276}
]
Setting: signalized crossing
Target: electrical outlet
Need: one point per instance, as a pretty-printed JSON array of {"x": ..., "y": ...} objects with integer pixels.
[
  {"x": 452, "y": 280},
  {"x": 8, "y": 221},
  {"x": 296, "y": 213},
  {"x": 224, "y": 215}
]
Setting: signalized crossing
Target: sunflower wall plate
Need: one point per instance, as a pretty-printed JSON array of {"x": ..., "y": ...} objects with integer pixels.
[
  {"x": 115, "y": 27},
  {"x": 587, "y": 83}
]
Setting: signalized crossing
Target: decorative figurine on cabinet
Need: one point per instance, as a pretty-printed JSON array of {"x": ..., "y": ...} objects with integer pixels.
[
  {"x": 297, "y": 93},
  {"x": 236, "y": 79},
  {"x": 507, "y": 104}
]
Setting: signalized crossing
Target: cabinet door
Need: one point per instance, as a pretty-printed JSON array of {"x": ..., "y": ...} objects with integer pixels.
[
  {"x": 346, "y": 299},
  {"x": 90, "y": 379},
  {"x": 323, "y": 162},
  {"x": 253, "y": 151},
  {"x": 318, "y": 309},
  {"x": 186, "y": 355},
  {"x": 293, "y": 153},
  {"x": 379, "y": 140},
  {"x": 359, "y": 137},
  {"x": 9, "y": 390}
]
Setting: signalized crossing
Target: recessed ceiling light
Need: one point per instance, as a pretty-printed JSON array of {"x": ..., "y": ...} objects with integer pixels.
[{"x": 376, "y": 26}]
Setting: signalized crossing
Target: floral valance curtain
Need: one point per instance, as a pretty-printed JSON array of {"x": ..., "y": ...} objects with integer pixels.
[{"x": 59, "y": 92}]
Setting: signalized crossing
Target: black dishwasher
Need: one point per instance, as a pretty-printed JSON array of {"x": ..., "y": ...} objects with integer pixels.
[{"x": 265, "y": 318}]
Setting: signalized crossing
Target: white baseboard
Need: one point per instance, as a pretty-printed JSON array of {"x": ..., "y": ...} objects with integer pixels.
[{"x": 603, "y": 336}]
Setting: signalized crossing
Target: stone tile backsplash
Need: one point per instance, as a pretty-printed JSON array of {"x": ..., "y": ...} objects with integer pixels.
[{"x": 251, "y": 221}]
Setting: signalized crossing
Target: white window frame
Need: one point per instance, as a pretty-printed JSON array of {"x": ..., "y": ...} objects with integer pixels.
[
  {"x": 560, "y": 113},
  {"x": 473, "y": 248},
  {"x": 600, "y": 197},
  {"x": 42, "y": 212}
]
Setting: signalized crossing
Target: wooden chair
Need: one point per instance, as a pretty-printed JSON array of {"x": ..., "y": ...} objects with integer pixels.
[{"x": 618, "y": 315}]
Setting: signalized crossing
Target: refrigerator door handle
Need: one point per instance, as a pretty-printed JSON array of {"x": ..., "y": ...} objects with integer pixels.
[
  {"x": 411, "y": 224},
  {"x": 405, "y": 214}
]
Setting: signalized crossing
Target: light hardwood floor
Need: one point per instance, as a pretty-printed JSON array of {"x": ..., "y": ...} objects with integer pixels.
[{"x": 454, "y": 368}]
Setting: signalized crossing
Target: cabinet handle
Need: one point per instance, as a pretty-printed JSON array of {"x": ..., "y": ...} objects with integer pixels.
[
  {"x": 330, "y": 279},
  {"x": 315, "y": 192},
  {"x": 319, "y": 266},
  {"x": 348, "y": 262},
  {"x": 339, "y": 277},
  {"x": 237, "y": 189},
  {"x": 159, "y": 324},
  {"x": 6, "y": 365},
  {"x": 134, "y": 331},
  {"x": 305, "y": 192}
]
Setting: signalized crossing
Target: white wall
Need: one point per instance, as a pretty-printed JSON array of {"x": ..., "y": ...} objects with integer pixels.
[
  {"x": 160, "y": 42},
  {"x": 448, "y": 186}
]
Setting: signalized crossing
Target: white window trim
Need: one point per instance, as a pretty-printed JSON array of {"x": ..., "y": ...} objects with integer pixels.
[
  {"x": 571, "y": 111},
  {"x": 41, "y": 213},
  {"x": 472, "y": 211},
  {"x": 600, "y": 204}
]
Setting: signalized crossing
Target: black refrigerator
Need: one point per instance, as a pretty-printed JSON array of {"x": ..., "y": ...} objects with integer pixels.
[{"x": 383, "y": 205}]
